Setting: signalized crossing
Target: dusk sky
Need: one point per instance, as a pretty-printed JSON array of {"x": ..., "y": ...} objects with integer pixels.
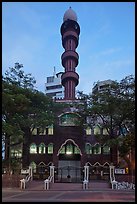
[{"x": 31, "y": 36}]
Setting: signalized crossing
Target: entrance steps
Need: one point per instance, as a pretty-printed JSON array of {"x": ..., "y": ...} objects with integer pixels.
[{"x": 39, "y": 186}]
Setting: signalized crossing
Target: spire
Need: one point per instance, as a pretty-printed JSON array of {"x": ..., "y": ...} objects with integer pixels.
[{"x": 54, "y": 71}]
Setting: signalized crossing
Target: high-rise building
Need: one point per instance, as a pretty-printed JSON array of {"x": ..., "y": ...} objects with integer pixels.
[{"x": 53, "y": 86}]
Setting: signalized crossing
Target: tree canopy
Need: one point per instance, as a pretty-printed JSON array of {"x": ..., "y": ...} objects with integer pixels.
[
  {"x": 113, "y": 107},
  {"x": 23, "y": 107}
]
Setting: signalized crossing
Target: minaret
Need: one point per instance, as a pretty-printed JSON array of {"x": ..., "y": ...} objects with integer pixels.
[{"x": 70, "y": 31}]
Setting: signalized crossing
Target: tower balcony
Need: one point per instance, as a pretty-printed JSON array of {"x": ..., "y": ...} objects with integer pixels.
[
  {"x": 70, "y": 54},
  {"x": 70, "y": 35},
  {"x": 70, "y": 76}
]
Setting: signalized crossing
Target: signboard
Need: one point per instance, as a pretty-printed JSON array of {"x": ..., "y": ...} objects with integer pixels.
[
  {"x": 24, "y": 171},
  {"x": 119, "y": 171}
]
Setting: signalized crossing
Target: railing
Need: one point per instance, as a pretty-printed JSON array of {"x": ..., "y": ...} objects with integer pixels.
[
  {"x": 24, "y": 181},
  {"x": 47, "y": 182},
  {"x": 85, "y": 184},
  {"x": 123, "y": 185}
]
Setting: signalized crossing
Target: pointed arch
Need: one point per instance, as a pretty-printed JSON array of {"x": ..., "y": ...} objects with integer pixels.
[
  {"x": 66, "y": 141},
  {"x": 50, "y": 148},
  {"x": 42, "y": 148},
  {"x": 33, "y": 148}
]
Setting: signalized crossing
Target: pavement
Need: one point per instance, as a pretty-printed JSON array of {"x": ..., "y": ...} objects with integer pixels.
[{"x": 67, "y": 192}]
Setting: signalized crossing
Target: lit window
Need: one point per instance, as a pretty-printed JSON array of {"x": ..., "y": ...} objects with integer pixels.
[
  {"x": 76, "y": 150},
  {"x": 50, "y": 148},
  {"x": 88, "y": 148},
  {"x": 33, "y": 149},
  {"x": 62, "y": 151},
  {"x": 97, "y": 149},
  {"x": 96, "y": 130},
  {"x": 16, "y": 152},
  {"x": 42, "y": 131},
  {"x": 69, "y": 119},
  {"x": 50, "y": 130},
  {"x": 33, "y": 165},
  {"x": 42, "y": 148},
  {"x": 106, "y": 150},
  {"x": 69, "y": 149},
  {"x": 105, "y": 132},
  {"x": 34, "y": 131},
  {"x": 88, "y": 131}
]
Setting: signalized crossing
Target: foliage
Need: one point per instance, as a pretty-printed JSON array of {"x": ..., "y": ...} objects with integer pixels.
[
  {"x": 114, "y": 109},
  {"x": 23, "y": 107}
]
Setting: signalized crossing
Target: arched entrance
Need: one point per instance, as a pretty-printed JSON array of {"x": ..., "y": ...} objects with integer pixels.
[{"x": 69, "y": 163}]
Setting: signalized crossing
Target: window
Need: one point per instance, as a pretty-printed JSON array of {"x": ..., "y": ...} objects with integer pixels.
[
  {"x": 42, "y": 148},
  {"x": 50, "y": 148},
  {"x": 69, "y": 149},
  {"x": 69, "y": 119},
  {"x": 88, "y": 148},
  {"x": 33, "y": 165},
  {"x": 97, "y": 130},
  {"x": 105, "y": 132},
  {"x": 88, "y": 131},
  {"x": 76, "y": 150},
  {"x": 42, "y": 131},
  {"x": 97, "y": 149},
  {"x": 33, "y": 149},
  {"x": 50, "y": 130},
  {"x": 106, "y": 150},
  {"x": 34, "y": 131},
  {"x": 16, "y": 152},
  {"x": 62, "y": 151}
]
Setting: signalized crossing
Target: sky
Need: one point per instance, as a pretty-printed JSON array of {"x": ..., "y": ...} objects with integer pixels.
[{"x": 31, "y": 36}]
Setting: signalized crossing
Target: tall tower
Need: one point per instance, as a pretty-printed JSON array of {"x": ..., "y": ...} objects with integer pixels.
[{"x": 70, "y": 31}]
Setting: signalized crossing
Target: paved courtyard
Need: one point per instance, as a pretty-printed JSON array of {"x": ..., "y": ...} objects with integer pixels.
[{"x": 67, "y": 193}]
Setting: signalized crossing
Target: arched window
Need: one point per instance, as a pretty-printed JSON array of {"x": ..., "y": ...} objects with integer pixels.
[
  {"x": 62, "y": 151},
  {"x": 50, "y": 148},
  {"x": 69, "y": 149},
  {"x": 33, "y": 148},
  {"x": 69, "y": 119},
  {"x": 33, "y": 165},
  {"x": 88, "y": 148},
  {"x": 42, "y": 148},
  {"x": 50, "y": 130},
  {"x": 88, "y": 131},
  {"x": 97, "y": 130},
  {"x": 97, "y": 149},
  {"x": 34, "y": 131},
  {"x": 106, "y": 149},
  {"x": 42, "y": 131},
  {"x": 105, "y": 132},
  {"x": 76, "y": 150}
]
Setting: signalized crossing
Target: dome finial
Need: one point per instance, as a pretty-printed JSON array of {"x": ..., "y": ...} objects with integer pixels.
[{"x": 70, "y": 14}]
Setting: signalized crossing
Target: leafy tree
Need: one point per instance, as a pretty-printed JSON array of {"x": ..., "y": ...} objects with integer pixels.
[
  {"x": 114, "y": 109},
  {"x": 23, "y": 107}
]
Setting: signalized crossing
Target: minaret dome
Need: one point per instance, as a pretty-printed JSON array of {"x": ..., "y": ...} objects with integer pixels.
[{"x": 70, "y": 14}]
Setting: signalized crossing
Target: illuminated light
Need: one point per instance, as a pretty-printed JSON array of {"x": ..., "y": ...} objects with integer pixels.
[{"x": 69, "y": 153}]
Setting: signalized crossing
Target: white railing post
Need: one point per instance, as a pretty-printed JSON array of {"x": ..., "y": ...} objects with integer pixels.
[
  {"x": 86, "y": 176},
  {"x": 112, "y": 175},
  {"x": 46, "y": 184},
  {"x": 30, "y": 173},
  {"x": 52, "y": 171}
]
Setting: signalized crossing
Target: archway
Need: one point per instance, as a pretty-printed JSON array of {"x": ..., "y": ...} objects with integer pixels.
[{"x": 69, "y": 163}]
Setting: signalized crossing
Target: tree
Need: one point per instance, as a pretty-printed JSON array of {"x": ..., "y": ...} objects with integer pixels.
[
  {"x": 23, "y": 107},
  {"x": 114, "y": 109}
]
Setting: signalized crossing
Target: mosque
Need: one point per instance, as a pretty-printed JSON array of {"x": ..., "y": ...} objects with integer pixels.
[{"x": 67, "y": 144}]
